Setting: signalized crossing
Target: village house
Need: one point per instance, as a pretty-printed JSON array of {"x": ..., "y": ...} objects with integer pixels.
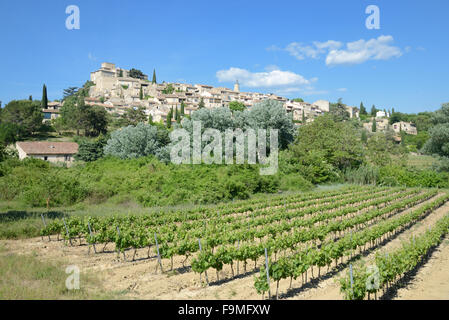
[
  {"x": 52, "y": 111},
  {"x": 407, "y": 127},
  {"x": 120, "y": 92},
  {"x": 55, "y": 152}
]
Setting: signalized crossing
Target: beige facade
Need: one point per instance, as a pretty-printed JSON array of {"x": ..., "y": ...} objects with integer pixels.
[
  {"x": 407, "y": 127},
  {"x": 120, "y": 92},
  {"x": 55, "y": 152}
]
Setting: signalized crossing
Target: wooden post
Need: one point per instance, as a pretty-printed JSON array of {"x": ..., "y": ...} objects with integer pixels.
[
  {"x": 238, "y": 247},
  {"x": 45, "y": 226},
  {"x": 158, "y": 255},
  {"x": 90, "y": 231},
  {"x": 351, "y": 278},
  {"x": 67, "y": 231},
  {"x": 205, "y": 271},
  {"x": 268, "y": 273}
]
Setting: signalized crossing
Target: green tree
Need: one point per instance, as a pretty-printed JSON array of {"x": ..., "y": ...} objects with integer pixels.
[
  {"x": 76, "y": 115},
  {"x": 30, "y": 98},
  {"x": 303, "y": 119},
  {"x": 298, "y": 100},
  {"x": 236, "y": 106},
  {"x": 178, "y": 116},
  {"x": 44, "y": 97},
  {"x": 120, "y": 74},
  {"x": 9, "y": 133},
  {"x": 338, "y": 111},
  {"x": 169, "y": 89},
  {"x": 136, "y": 74},
  {"x": 182, "y": 108},
  {"x": 69, "y": 92},
  {"x": 201, "y": 104},
  {"x": 133, "y": 116},
  {"x": 362, "y": 109},
  {"x": 26, "y": 115},
  {"x": 91, "y": 150},
  {"x": 439, "y": 133},
  {"x": 373, "y": 111},
  {"x": 141, "y": 93},
  {"x": 141, "y": 140},
  {"x": 374, "y": 126},
  {"x": 364, "y": 137},
  {"x": 154, "y": 76},
  {"x": 169, "y": 118},
  {"x": 325, "y": 146}
]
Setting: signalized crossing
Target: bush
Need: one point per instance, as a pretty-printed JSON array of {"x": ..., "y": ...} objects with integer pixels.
[{"x": 412, "y": 177}]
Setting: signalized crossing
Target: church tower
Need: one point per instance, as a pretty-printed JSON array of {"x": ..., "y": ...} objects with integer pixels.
[{"x": 236, "y": 86}]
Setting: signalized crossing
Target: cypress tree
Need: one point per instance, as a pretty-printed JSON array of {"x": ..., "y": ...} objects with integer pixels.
[
  {"x": 362, "y": 109},
  {"x": 303, "y": 116},
  {"x": 169, "y": 116},
  {"x": 374, "y": 128},
  {"x": 201, "y": 104},
  {"x": 150, "y": 119},
  {"x": 30, "y": 98},
  {"x": 373, "y": 111},
  {"x": 182, "y": 108},
  {"x": 178, "y": 116},
  {"x": 141, "y": 93},
  {"x": 364, "y": 137},
  {"x": 44, "y": 97},
  {"x": 154, "y": 76}
]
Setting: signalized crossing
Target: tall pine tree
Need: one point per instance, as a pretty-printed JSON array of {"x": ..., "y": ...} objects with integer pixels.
[
  {"x": 374, "y": 128},
  {"x": 141, "y": 93},
  {"x": 373, "y": 111},
  {"x": 44, "y": 97}
]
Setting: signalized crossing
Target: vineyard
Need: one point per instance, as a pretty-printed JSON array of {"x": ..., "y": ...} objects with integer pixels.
[{"x": 280, "y": 246}]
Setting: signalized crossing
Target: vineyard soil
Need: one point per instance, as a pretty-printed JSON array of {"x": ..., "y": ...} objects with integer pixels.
[{"x": 138, "y": 279}]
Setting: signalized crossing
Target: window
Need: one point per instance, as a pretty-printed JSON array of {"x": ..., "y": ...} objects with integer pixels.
[
  {"x": 45, "y": 158},
  {"x": 67, "y": 158}
]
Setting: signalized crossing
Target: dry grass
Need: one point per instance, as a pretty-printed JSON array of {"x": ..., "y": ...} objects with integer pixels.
[{"x": 24, "y": 277}]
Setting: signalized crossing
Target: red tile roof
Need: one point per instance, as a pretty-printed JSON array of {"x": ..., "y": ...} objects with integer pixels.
[{"x": 48, "y": 147}]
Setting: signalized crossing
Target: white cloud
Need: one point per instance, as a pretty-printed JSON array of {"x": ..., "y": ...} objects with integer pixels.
[
  {"x": 353, "y": 53},
  {"x": 342, "y": 89},
  {"x": 300, "y": 51},
  {"x": 272, "y": 78},
  {"x": 360, "y": 51}
]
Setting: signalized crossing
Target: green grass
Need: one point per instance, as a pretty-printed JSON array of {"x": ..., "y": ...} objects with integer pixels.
[
  {"x": 421, "y": 161},
  {"x": 24, "y": 277},
  {"x": 19, "y": 222}
]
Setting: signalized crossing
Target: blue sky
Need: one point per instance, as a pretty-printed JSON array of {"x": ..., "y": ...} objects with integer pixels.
[{"x": 310, "y": 49}]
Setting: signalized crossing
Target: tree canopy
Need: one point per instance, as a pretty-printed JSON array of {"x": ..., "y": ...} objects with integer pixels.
[
  {"x": 136, "y": 74},
  {"x": 25, "y": 115},
  {"x": 138, "y": 141}
]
